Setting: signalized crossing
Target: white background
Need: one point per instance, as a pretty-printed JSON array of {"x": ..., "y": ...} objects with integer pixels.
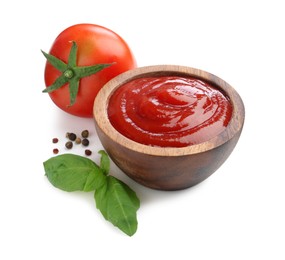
[{"x": 237, "y": 213}]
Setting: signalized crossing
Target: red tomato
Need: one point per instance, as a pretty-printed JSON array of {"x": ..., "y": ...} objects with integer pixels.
[{"x": 96, "y": 45}]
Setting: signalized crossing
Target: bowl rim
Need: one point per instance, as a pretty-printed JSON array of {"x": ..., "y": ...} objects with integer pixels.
[{"x": 102, "y": 100}]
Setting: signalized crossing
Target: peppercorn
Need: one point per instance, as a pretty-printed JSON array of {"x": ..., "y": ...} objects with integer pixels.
[
  {"x": 85, "y": 133},
  {"x": 55, "y": 151},
  {"x": 72, "y": 136},
  {"x": 88, "y": 152},
  {"x": 85, "y": 142},
  {"x": 68, "y": 145},
  {"x": 55, "y": 140},
  {"x": 78, "y": 140}
]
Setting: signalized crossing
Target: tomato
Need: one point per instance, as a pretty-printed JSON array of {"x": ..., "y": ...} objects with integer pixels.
[{"x": 93, "y": 45}]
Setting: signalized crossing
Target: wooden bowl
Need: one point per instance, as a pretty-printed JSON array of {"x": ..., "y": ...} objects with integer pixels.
[{"x": 167, "y": 168}]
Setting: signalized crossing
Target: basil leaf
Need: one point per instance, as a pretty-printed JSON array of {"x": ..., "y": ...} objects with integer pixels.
[
  {"x": 118, "y": 204},
  {"x": 104, "y": 162},
  {"x": 71, "y": 172}
]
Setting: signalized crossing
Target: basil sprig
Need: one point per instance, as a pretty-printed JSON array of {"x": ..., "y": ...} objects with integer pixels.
[{"x": 117, "y": 202}]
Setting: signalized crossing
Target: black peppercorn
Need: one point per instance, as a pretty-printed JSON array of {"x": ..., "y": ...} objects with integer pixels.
[
  {"x": 85, "y": 133},
  {"x": 72, "y": 136},
  {"x": 85, "y": 142},
  {"x": 68, "y": 145}
]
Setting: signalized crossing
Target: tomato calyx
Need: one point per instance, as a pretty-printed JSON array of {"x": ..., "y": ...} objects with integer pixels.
[{"x": 71, "y": 73}]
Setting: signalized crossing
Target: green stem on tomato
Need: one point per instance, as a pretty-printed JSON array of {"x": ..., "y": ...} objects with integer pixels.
[{"x": 71, "y": 73}]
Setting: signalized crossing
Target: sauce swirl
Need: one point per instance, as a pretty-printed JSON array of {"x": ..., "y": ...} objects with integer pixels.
[{"x": 169, "y": 111}]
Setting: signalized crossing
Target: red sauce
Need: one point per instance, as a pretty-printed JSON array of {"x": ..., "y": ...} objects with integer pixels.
[{"x": 169, "y": 111}]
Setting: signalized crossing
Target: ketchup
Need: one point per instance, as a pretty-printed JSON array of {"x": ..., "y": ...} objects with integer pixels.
[{"x": 169, "y": 111}]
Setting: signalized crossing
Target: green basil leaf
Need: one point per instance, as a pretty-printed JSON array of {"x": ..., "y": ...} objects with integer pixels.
[
  {"x": 70, "y": 172},
  {"x": 118, "y": 204},
  {"x": 104, "y": 162}
]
